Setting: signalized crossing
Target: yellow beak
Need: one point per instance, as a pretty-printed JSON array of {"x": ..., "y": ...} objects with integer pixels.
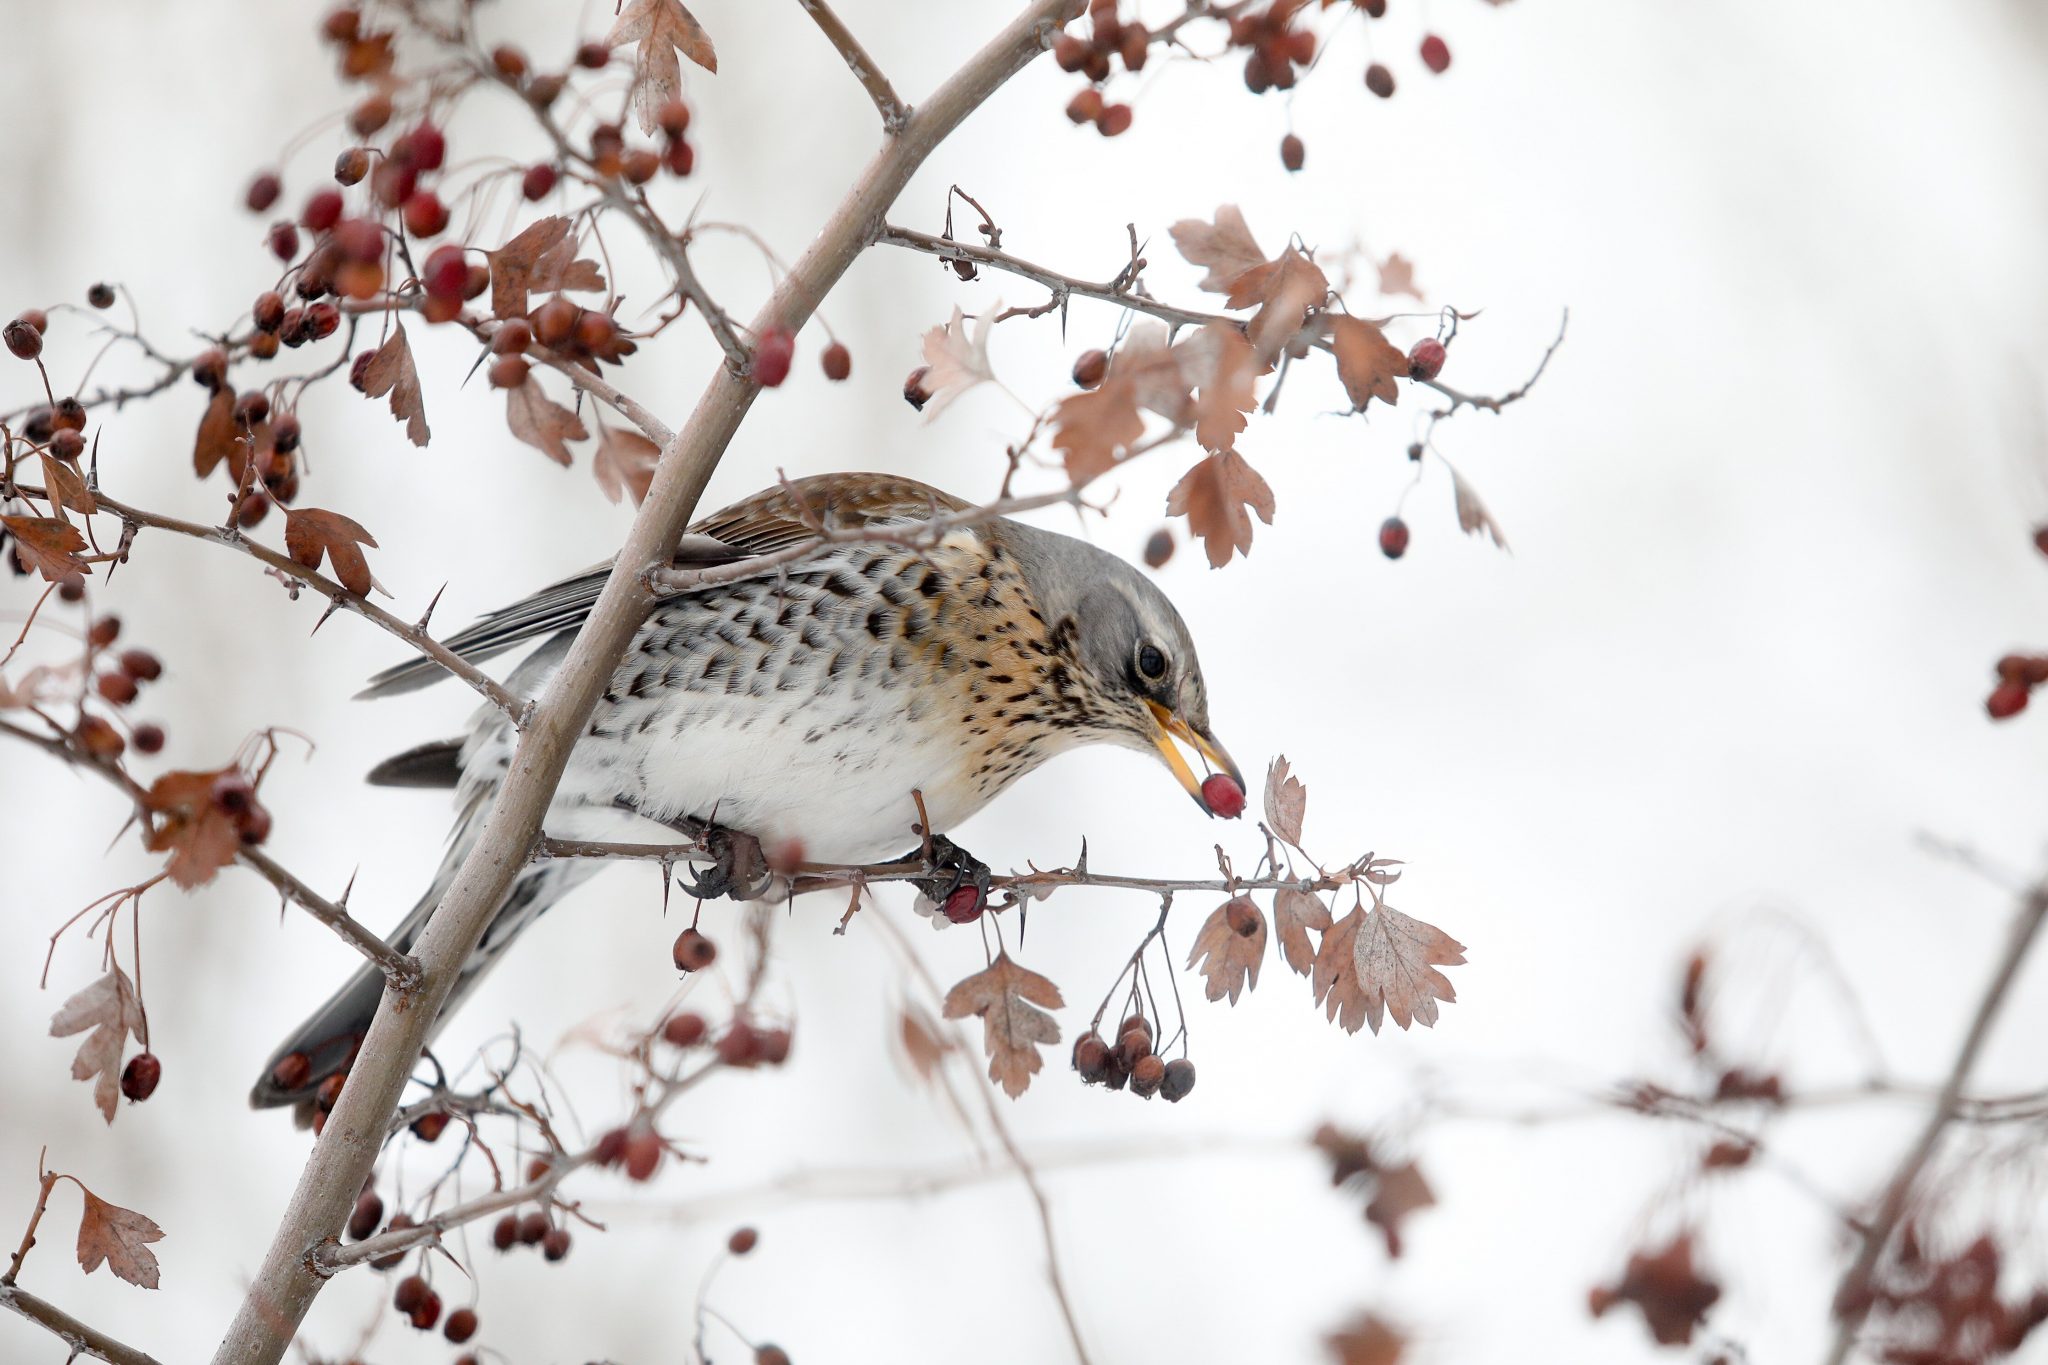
[{"x": 1172, "y": 727}]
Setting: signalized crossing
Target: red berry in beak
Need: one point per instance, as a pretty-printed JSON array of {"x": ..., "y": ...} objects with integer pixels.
[{"x": 1222, "y": 795}]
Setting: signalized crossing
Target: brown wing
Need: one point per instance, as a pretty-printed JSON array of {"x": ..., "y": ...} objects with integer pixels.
[{"x": 772, "y": 519}]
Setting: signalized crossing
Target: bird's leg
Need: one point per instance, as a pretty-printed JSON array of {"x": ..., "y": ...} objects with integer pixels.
[
  {"x": 948, "y": 868},
  {"x": 738, "y": 869}
]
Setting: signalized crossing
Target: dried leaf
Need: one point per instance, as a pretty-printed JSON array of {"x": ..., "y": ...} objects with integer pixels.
[
  {"x": 922, "y": 1043},
  {"x": 560, "y": 268},
  {"x": 1008, "y": 1000},
  {"x": 41, "y": 685},
  {"x": 662, "y": 28},
  {"x": 1289, "y": 293},
  {"x": 1472, "y": 513},
  {"x": 200, "y": 837},
  {"x": 1092, "y": 429},
  {"x": 1225, "y": 248},
  {"x": 541, "y": 422},
  {"x": 1398, "y": 1192},
  {"x": 109, "y": 1008},
  {"x": 1286, "y": 800},
  {"x": 1294, "y": 914},
  {"x": 1233, "y": 942},
  {"x": 1397, "y": 276},
  {"x": 513, "y": 264},
  {"x": 1218, "y": 362},
  {"x": 310, "y": 533},
  {"x": 1366, "y": 361},
  {"x": 1213, "y": 497},
  {"x": 1383, "y": 961},
  {"x": 1366, "y": 1340},
  {"x": 1673, "y": 1295},
  {"x": 119, "y": 1237},
  {"x": 47, "y": 546},
  {"x": 624, "y": 463},
  {"x": 956, "y": 359},
  {"x": 66, "y": 487},
  {"x": 391, "y": 371},
  {"x": 219, "y": 434}
]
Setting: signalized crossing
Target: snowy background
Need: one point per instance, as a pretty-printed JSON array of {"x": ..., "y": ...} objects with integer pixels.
[{"x": 1769, "y": 512}]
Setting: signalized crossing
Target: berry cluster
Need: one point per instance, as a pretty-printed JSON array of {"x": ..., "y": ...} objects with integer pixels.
[
  {"x": 1276, "y": 46},
  {"x": 2018, "y": 676},
  {"x": 532, "y": 1229},
  {"x": 1110, "y": 39},
  {"x": 1132, "y": 1062}
]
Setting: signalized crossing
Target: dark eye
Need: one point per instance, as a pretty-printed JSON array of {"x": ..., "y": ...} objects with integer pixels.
[{"x": 1151, "y": 663}]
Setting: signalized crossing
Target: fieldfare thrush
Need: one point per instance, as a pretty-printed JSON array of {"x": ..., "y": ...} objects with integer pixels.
[{"x": 806, "y": 702}]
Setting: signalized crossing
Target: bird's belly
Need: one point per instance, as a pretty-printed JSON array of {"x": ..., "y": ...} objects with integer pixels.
[{"x": 835, "y": 772}]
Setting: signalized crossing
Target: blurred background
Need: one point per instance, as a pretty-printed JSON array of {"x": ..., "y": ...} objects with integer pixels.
[{"x": 1769, "y": 512}]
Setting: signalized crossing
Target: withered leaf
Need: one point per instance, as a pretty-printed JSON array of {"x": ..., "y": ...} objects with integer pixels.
[
  {"x": 662, "y": 28},
  {"x": 1398, "y": 1192},
  {"x": 1225, "y": 248},
  {"x": 1472, "y": 514},
  {"x": 1218, "y": 362},
  {"x": 1294, "y": 914},
  {"x": 1230, "y": 956},
  {"x": 1397, "y": 276},
  {"x": 1367, "y": 362},
  {"x": 513, "y": 264},
  {"x": 1672, "y": 1293},
  {"x": 624, "y": 463},
  {"x": 311, "y": 533},
  {"x": 1286, "y": 800},
  {"x": 391, "y": 371},
  {"x": 541, "y": 422},
  {"x": 1383, "y": 962},
  {"x": 66, "y": 486},
  {"x": 1289, "y": 293},
  {"x": 560, "y": 268},
  {"x": 1008, "y": 998},
  {"x": 218, "y": 432},
  {"x": 1366, "y": 1340},
  {"x": 120, "y": 1238},
  {"x": 956, "y": 358},
  {"x": 1091, "y": 430},
  {"x": 1214, "y": 496},
  {"x": 109, "y": 1008},
  {"x": 47, "y": 546},
  {"x": 200, "y": 837},
  {"x": 922, "y": 1042}
]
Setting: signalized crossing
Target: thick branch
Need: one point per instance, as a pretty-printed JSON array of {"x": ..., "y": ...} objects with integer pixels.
[
  {"x": 893, "y": 110},
  {"x": 288, "y": 1280},
  {"x": 83, "y": 1340},
  {"x": 1852, "y": 1297}
]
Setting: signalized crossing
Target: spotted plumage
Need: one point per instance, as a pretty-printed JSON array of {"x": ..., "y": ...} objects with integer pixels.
[{"x": 807, "y": 701}]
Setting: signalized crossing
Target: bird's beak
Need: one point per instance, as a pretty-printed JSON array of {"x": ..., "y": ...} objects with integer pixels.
[{"x": 1172, "y": 727}]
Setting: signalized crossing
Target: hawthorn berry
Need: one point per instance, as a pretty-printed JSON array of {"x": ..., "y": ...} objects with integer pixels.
[
  {"x": 538, "y": 181},
  {"x": 141, "y": 665},
  {"x": 509, "y": 371},
  {"x": 1090, "y": 368},
  {"x": 684, "y": 1029},
  {"x": 1292, "y": 152},
  {"x": 1115, "y": 120},
  {"x": 69, "y": 413},
  {"x": 117, "y": 688},
  {"x": 1243, "y": 917},
  {"x": 71, "y": 588},
  {"x": 694, "y": 951},
  {"x": 427, "y": 1314},
  {"x": 284, "y": 240},
  {"x": 342, "y": 25},
  {"x": 2007, "y": 700},
  {"x": 1436, "y": 54},
  {"x": 1158, "y": 548},
  {"x": 505, "y": 1232},
  {"x": 534, "y": 1228},
  {"x": 367, "y": 1214},
  {"x": 1086, "y": 107},
  {"x": 104, "y": 631},
  {"x": 149, "y": 738},
  {"x": 1380, "y": 81},
  {"x": 268, "y": 311},
  {"x": 263, "y": 192},
  {"x": 773, "y": 1044},
  {"x": 593, "y": 56},
  {"x": 411, "y": 1292},
  {"x": 139, "y": 1077},
  {"x": 36, "y": 318},
  {"x": 544, "y": 90},
  {"x": 1393, "y": 537},
  {"x": 370, "y": 115},
  {"x": 766, "y": 1354},
  {"x": 100, "y": 295},
  {"x": 1147, "y": 1075},
  {"x": 1091, "y": 1058},
  {"x": 263, "y": 346},
  {"x": 555, "y": 1245},
  {"x": 322, "y": 318},
  {"x": 323, "y": 210},
  {"x": 479, "y": 280},
  {"x": 1178, "y": 1080},
  {"x": 461, "y": 1325},
  {"x": 1376, "y": 9},
  {"x": 681, "y": 158},
  {"x": 429, "y": 1127},
  {"x": 914, "y": 391},
  {"x": 399, "y": 1222},
  {"x": 772, "y": 356},
  {"x": 23, "y": 340},
  {"x": 1136, "y": 1021},
  {"x": 1426, "y": 359},
  {"x": 1132, "y": 1045},
  {"x": 555, "y": 321},
  {"x": 837, "y": 361},
  {"x": 740, "y": 1044},
  {"x": 425, "y": 214},
  {"x": 742, "y": 1241},
  {"x": 611, "y": 1148},
  {"x": 513, "y": 336},
  {"x": 964, "y": 905},
  {"x": 1222, "y": 795},
  {"x": 509, "y": 62},
  {"x": 643, "y": 1153},
  {"x": 67, "y": 444},
  {"x": 98, "y": 738},
  {"x": 595, "y": 331},
  {"x": 352, "y": 165}
]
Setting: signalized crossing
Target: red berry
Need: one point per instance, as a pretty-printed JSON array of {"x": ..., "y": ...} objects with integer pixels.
[
  {"x": 268, "y": 311},
  {"x": 1091, "y": 1058},
  {"x": 263, "y": 192},
  {"x": 322, "y": 211},
  {"x": 1158, "y": 548},
  {"x": 67, "y": 444},
  {"x": 1393, "y": 537},
  {"x": 1070, "y": 52},
  {"x": 555, "y": 1245},
  {"x": 766, "y": 1354},
  {"x": 23, "y": 340},
  {"x": 742, "y": 1241},
  {"x": 429, "y": 1127},
  {"x": 2007, "y": 700},
  {"x": 837, "y": 360},
  {"x": 681, "y": 157},
  {"x": 342, "y": 25},
  {"x": 100, "y": 295},
  {"x": 555, "y": 321},
  {"x": 1178, "y": 1081},
  {"x": 425, "y": 214},
  {"x": 611, "y": 1148},
  {"x": 508, "y": 371},
  {"x": 1134, "y": 1044},
  {"x": 424, "y": 1317},
  {"x": 1380, "y": 81},
  {"x": 1222, "y": 795},
  {"x": 352, "y": 165},
  {"x": 411, "y": 1292},
  {"x": 509, "y": 61},
  {"x": 1115, "y": 120},
  {"x": 773, "y": 1045},
  {"x": 772, "y": 356},
  {"x": 446, "y": 272},
  {"x": 593, "y": 56},
  {"x": 1148, "y": 1074},
  {"x": 322, "y": 318},
  {"x": 100, "y": 739},
  {"x": 693, "y": 951},
  {"x": 104, "y": 631},
  {"x": 368, "y": 1213},
  {"x": 1243, "y": 917},
  {"x": 964, "y": 905},
  {"x": 684, "y": 1029},
  {"x": 141, "y": 665},
  {"x": 739, "y": 1045},
  {"x": 538, "y": 181},
  {"x": 36, "y": 318},
  {"x": 2041, "y": 539},
  {"x": 505, "y": 1232},
  {"x": 914, "y": 391},
  {"x": 673, "y": 118},
  {"x": 1426, "y": 359},
  {"x": 1292, "y": 152},
  {"x": 293, "y": 1070},
  {"x": 534, "y": 1228},
  {"x": 284, "y": 240},
  {"x": 461, "y": 1325},
  {"x": 1436, "y": 54},
  {"x": 117, "y": 688},
  {"x": 139, "y": 1077},
  {"x": 1086, "y": 107},
  {"x": 1090, "y": 368},
  {"x": 424, "y": 147},
  {"x": 149, "y": 739},
  {"x": 643, "y": 1153}
]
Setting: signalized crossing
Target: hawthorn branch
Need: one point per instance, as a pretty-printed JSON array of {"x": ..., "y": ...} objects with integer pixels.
[
  {"x": 289, "y": 1279},
  {"x": 83, "y": 1340},
  {"x": 401, "y": 970},
  {"x": 1484, "y": 404},
  {"x": 893, "y": 110},
  {"x": 1852, "y": 1297}
]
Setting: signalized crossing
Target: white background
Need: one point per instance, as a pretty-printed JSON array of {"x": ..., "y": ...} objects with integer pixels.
[{"x": 1769, "y": 513}]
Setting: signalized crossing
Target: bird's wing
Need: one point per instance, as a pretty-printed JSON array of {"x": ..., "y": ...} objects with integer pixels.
[{"x": 773, "y": 519}]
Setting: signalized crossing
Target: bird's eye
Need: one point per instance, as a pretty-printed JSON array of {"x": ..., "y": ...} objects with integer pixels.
[{"x": 1151, "y": 663}]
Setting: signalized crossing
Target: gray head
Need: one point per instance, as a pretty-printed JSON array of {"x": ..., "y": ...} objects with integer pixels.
[{"x": 1136, "y": 657}]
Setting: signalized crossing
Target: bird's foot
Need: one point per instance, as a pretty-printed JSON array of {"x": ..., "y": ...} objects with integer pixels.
[
  {"x": 955, "y": 880},
  {"x": 738, "y": 869}
]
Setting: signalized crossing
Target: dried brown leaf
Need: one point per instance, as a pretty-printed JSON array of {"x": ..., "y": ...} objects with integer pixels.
[
  {"x": 219, "y": 434},
  {"x": 66, "y": 486},
  {"x": 1294, "y": 914},
  {"x": 1011, "y": 1002},
  {"x": 1225, "y": 248},
  {"x": 391, "y": 371},
  {"x": 47, "y": 546},
  {"x": 1383, "y": 962},
  {"x": 956, "y": 359},
  {"x": 1214, "y": 496},
  {"x": 541, "y": 422},
  {"x": 1472, "y": 514},
  {"x": 1091, "y": 430},
  {"x": 560, "y": 268},
  {"x": 1397, "y": 276},
  {"x": 312, "y": 532},
  {"x": 1398, "y": 1192},
  {"x": 513, "y": 264},
  {"x": 119, "y": 1237},
  {"x": 1218, "y": 362},
  {"x": 1367, "y": 362},
  {"x": 1287, "y": 295},
  {"x": 624, "y": 463},
  {"x": 200, "y": 837},
  {"x": 1231, "y": 956},
  {"x": 662, "y": 28},
  {"x": 109, "y": 1008},
  {"x": 922, "y": 1042},
  {"x": 1286, "y": 800},
  {"x": 1366, "y": 1340}
]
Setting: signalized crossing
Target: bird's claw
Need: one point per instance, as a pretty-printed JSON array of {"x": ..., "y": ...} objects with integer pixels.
[
  {"x": 949, "y": 867},
  {"x": 739, "y": 868}
]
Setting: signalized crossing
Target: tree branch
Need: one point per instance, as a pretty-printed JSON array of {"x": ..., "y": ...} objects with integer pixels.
[
  {"x": 83, "y": 1340},
  {"x": 893, "y": 110},
  {"x": 400, "y": 970},
  {"x": 288, "y": 1280}
]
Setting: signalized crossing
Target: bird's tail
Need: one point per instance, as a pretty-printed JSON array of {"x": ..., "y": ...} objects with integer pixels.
[{"x": 330, "y": 1036}]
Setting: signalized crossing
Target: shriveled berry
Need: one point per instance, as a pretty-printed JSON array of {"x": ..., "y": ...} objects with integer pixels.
[
  {"x": 1222, "y": 795},
  {"x": 1091, "y": 1058},
  {"x": 1134, "y": 1043},
  {"x": 210, "y": 370},
  {"x": 2007, "y": 700},
  {"x": 1393, "y": 537},
  {"x": 1178, "y": 1080},
  {"x": 461, "y": 1325},
  {"x": 1426, "y": 359},
  {"x": 1436, "y": 54},
  {"x": 23, "y": 340},
  {"x": 509, "y": 371},
  {"x": 538, "y": 181},
  {"x": 837, "y": 361},
  {"x": 268, "y": 311},
  {"x": 772, "y": 356},
  {"x": 694, "y": 951},
  {"x": 149, "y": 738},
  {"x": 555, "y": 1245},
  {"x": 100, "y": 295},
  {"x": 684, "y": 1029},
  {"x": 505, "y": 1232},
  {"x": 139, "y": 1077},
  {"x": 742, "y": 1241},
  {"x": 914, "y": 391},
  {"x": 1292, "y": 152},
  {"x": 1135, "y": 1021},
  {"x": 367, "y": 1214},
  {"x": 322, "y": 211},
  {"x": 1090, "y": 368},
  {"x": 1243, "y": 917},
  {"x": 410, "y": 1293},
  {"x": 292, "y": 1071},
  {"x": 1147, "y": 1075},
  {"x": 964, "y": 905},
  {"x": 352, "y": 165},
  {"x": 286, "y": 433}
]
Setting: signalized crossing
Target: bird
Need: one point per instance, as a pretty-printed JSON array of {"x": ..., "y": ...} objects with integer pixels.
[{"x": 921, "y": 653}]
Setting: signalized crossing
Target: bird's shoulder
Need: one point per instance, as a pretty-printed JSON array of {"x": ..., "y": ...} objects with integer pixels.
[{"x": 796, "y": 510}]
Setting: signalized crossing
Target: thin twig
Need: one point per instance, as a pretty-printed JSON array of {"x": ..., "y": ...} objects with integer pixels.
[
  {"x": 893, "y": 110},
  {"x": 82, "y": 1339},
  {"x": 401, "y": 970}
]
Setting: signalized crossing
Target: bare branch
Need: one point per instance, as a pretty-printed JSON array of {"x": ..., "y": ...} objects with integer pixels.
[
  {"x": 1466, "y": 400},
  {"x": 82, "y": 1339},
  {"x": 400, "y": 970},
  {"x": 893, "y": 110}
]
